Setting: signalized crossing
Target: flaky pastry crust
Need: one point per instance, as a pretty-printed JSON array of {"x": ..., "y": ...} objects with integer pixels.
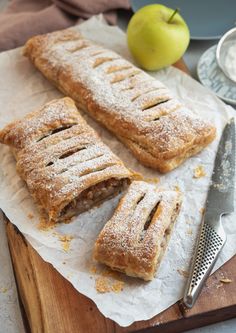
[
  {"x": 64, "y": 163},
  {"x": 139, "y": 110},
  {"x": 134, "y": 240}
]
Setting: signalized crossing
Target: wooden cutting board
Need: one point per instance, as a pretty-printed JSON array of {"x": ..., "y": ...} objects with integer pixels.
[{"x": 52, "y": 305}]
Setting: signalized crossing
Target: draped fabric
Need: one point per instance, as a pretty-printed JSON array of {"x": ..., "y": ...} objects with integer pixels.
[{"x": 25, "y": 18}]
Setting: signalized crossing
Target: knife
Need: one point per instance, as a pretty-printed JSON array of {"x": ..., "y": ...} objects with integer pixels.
[{"x": 220, "y": 201}]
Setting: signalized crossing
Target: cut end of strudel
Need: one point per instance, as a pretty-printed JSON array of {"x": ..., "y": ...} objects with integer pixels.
[
  {"x": 66, "y": 166},
  {"x": 134, "y": 240},
  {"x": 138, "y": 109}
]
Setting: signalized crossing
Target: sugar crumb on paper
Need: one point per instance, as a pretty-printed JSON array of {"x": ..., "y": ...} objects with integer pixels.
[
  {"x": 183, "y": 273},
  {"x": 44, "y": 225},
  {"x": 102, "y": 285},
  {"x": 152, "y": 180},
  {"x": 177, "y": 188},
  {"x": 93, "y": 269},
  {"x": 202, "y": 210},
  {"x": 189, "y": 231},
  {"x": 108, "y": 280},
  {"x": 118, "y": 286},
  {"x": 105, "y": 285},
  {"x": 3, "y": 290},
  {"x": 64, "y": 239},
  {"x": 199, "y": 172},
  {"x": 66, "y": 242},
  {"x": 69, "y": 275}
]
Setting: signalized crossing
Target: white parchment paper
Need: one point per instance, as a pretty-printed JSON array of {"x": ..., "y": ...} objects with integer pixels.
[{"x": 23, "y": 89}]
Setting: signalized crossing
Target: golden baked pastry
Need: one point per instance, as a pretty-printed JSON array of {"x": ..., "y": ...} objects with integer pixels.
[
  {"x": 66, "y": 166},
  {"x": 138, "y": 109},
  {"x": 134, "y": 240}
]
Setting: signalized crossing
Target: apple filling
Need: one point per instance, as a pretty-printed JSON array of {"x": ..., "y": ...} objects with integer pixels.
[
  {"x": 93, "y": 196},
  {"x": 167, "y": 234}
]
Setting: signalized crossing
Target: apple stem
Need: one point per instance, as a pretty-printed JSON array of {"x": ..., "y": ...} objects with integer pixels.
[{"x": 173, "y": 14}]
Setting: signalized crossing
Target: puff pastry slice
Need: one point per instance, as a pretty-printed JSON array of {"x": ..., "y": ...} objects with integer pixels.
[
  {"x": 138, "y": 109},
  {"x": 66, "y": 166},
  {"x": 134, "y": 240}
]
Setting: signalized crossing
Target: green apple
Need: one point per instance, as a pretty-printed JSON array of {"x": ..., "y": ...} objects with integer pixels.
[{"x": 157, "y": 36}]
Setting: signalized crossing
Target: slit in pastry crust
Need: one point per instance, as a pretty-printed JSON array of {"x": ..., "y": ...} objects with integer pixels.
[
  {"x": 121, "y": 77},
  {"x": 134, "y": 240},
  {"x": 66, "y": 166},
  {"x": 100, "y": 61},
  {"x": 110, "y": 98}
]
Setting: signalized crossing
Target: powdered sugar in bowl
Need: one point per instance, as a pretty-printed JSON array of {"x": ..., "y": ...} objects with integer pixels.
[{"x": 226, "y": 54}]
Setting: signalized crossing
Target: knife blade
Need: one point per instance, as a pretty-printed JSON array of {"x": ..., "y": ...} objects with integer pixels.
[{"x": 220, "y": 201}]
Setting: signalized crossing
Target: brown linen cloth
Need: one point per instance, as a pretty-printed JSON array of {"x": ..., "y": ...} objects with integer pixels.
[{"x": 25, "y": 18}]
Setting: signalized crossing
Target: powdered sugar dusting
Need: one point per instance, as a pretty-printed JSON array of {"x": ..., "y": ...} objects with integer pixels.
[
  {"x": 135, "y": 246},
  {"x": 34, "y": 124},
  {"x": 138, "y": 300},
  {"x": 58, "y": 166},
  {"x": 125, "y": 93}
]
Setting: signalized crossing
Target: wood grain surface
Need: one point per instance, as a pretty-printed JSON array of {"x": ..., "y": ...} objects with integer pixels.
[{"x": 52, "y": 305}]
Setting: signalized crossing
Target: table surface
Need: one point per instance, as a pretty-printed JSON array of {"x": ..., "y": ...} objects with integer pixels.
[{"x": 10, "y": 317}]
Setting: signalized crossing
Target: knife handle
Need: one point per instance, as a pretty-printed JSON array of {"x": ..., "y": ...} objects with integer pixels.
[{"x": 210, "y": 242}]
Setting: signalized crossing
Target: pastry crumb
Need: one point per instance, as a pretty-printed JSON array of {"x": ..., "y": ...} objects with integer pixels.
[
  {"x": 151, "y": 180},
  {"x": 102, "y": 285},
  {"x": 199, "y": 172},
  {"x": 118, "y": 286},
  {"x": 189, "y": 231},
  {"x": 183, "y": 273},
  {"x": 226, "y": 280},
  {"x": 3, "y": 290},
  {"x": 65, "y": 239},
  {"x": 177, "y": 188},
  {"x": 202, "y": 210},
  {"x": 69, "y": 276},
  {"x": 93, "y": 269},
  {"x": 30, "y": 216},
  {"x": 109, "y": 281},
  {"x": 44, "y": 225}
]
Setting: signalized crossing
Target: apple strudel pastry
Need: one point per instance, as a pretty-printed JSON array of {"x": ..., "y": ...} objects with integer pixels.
[
  {"x": 66, "y": 166},
  {"x": 137, "y": 108},
  {"x": 134, "y": 240}
]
